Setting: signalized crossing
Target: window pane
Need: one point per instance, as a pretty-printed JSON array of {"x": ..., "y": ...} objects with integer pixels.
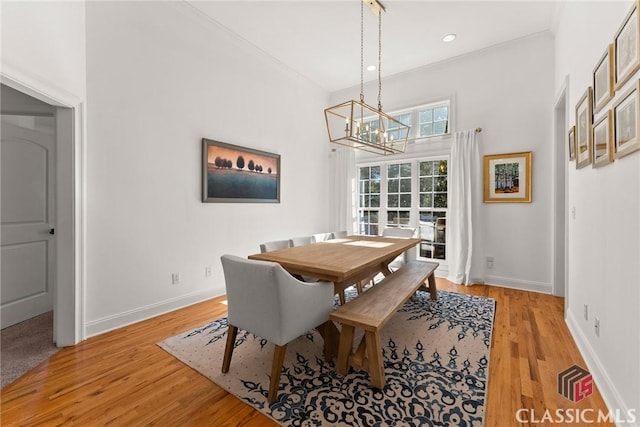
[
  {"x": 426, "y": 116},
  {"x": 373, "y": 230},
  {"x": 393, "y": 185},
  {"x": 426, "y": 130},
  {"x": 365, "y": 216},
  {"x": 392, "y": 218},
  {"x": 364, "y": 186},
  {"x": 375, "y": 201},
  {"x": 374, "y": 217},
  {"x": 426, "y": 168},
  {"x": 392, "y": 201},
  {"x": 405, "y": 185},
  {"x": 361, "y": 204},
  {"x": 405, "y": 200},
  {"x": 426, "y": 184},
  {"x": 367, "y": 199},
  {"x": 441, "y": 113},
  {"x": 426, "y": 200},
  {"x": 405, "y": 170},
  {"x": 375, "y": 187},
  {"x": 375, "y": 173},
  {"x": 364, "y": 173},
  {"x": 441, "y": 168},
  {"x": 405, "y": 217},
  {"x": 393, "y": 171},
  {"x": 441, "y": 183},
  {"x": 440, "y": 200},
  {"x": 440, "y": 128}
]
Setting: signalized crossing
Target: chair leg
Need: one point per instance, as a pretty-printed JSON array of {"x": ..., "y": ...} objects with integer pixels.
[
  {"x": 228, "y": 350},
  {"x": 276, "y": 367}
]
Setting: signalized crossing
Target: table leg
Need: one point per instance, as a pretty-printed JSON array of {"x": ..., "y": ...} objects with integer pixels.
[
  {"x": 344, "y": 349},
  {"x": 331, "y": 336},
  {"x": 432, "y": 287}
]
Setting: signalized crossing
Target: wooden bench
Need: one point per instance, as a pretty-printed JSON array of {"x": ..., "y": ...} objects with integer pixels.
[{"x": 371, "y": 310}]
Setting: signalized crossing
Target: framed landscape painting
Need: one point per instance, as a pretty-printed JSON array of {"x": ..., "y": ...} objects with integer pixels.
[
  {"x": 627, "y": 47},
  {"x": 507, "y": 178},
  {"x": 603, "y": 88},
  {"x": 572, "y": 143},
  {"x": 234, "y": 174},
  {"x": 603, "y": 140},
  {"x": 626, "y": 117},
  {"x": 584, "y": 121}
]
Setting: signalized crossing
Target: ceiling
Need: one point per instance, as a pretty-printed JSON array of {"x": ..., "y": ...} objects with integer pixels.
[{"x": 321, "y": 39}]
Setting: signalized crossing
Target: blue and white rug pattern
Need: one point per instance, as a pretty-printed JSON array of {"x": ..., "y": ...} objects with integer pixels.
[{"x": 436, "y": 357}]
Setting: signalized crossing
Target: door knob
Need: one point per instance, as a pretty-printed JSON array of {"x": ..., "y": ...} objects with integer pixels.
[{"x": 52, "y": 231}]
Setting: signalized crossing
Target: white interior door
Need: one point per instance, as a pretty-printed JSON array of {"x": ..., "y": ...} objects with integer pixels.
[{"x": 27, "y": 247}]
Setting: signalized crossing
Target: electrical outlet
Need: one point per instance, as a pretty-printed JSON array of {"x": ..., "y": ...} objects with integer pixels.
[
  {"x": 489, "y": 262},
  {"x": 175, "y": 278},
  {"x": 207, "y": 271},
  {"x": 586, "y": 312},
  {"x": 597, "y": 326}
]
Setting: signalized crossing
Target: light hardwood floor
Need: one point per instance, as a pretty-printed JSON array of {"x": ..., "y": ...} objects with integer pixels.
[{"x": 123, "y": 378}]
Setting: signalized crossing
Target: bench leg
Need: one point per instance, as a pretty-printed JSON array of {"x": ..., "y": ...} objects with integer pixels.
[
  {"x": 374, "y": 356},
  {"x": 344, "y": 349}
]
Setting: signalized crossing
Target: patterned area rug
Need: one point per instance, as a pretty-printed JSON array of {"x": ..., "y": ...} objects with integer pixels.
[{"x": 436, "y": 357}]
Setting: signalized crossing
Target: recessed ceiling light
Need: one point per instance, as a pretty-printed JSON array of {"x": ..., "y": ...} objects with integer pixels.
[
  {"x": 449, "y": 38},
  {"x": 371, "y": 68}
]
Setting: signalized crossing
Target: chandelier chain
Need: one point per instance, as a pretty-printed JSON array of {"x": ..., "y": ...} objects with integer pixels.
[
  {"x": 362, "y": 51},
  {"x": 380, "y": 60}
]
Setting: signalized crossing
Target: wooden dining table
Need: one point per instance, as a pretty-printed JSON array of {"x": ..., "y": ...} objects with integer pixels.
[{"x": 345, "y": 261}]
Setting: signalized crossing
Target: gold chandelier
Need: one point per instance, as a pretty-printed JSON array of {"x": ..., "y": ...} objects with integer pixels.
[{"x": 358, "y": 125}]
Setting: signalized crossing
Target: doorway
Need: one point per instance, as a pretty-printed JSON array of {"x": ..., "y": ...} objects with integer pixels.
[
  {"x": 560, "y": 130},
  {"x": 30, "y": 112},
  {"x": 28, "y": 207}
]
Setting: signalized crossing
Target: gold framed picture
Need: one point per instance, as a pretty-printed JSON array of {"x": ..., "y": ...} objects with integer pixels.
[
  {"x": 627, "y": 47},
  {"x": 603, "y": 87},
  {"x": 571, "y": 139},
  {"x": 603, "y": 140},
  {"x": 507, "y": 178},
  {"x": 626, "y": 121},
  {"x": 584, "y": 118}
]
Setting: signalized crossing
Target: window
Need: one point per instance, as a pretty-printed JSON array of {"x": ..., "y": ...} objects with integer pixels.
[
  {"x": 425, "y": 120},
  {"x": 433, "y": 120},
  {"x": 433, "y": 208},
  {"x": 408, "y": 194},
  {"x": 398, "y": 194},
  {"x": 369, "y": 200}
]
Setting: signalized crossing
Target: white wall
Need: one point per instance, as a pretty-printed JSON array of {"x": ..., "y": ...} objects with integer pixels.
[
  {"x": 507, "y": 90},
  {"x": 160, "y": 78},
  {"x": 44, "y": 42},
  {"x": 604, "y": 247}
]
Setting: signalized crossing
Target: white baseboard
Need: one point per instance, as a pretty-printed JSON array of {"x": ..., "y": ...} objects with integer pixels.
[
  {"x": 524, "y": 285},
  {"x": 109, "y": 323},
  {"x": 607, "y": 389}
]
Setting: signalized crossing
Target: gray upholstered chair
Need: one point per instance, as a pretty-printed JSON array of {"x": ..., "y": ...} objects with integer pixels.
[
  {"x": 301, "y": 241},
  {"x": 274, "y": 246},
  {"x": 322, "y": 237},
  {"x": 267, "y": 301},
  {"x": 339, "y": 234},
  {"x": 407, "y": 256},
  {"x": 399, "y": 261}
]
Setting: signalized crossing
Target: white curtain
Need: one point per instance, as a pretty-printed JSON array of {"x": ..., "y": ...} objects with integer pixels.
[
  {"x": 464, "y": 251},
  {"x": 344, "y": 190}
]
